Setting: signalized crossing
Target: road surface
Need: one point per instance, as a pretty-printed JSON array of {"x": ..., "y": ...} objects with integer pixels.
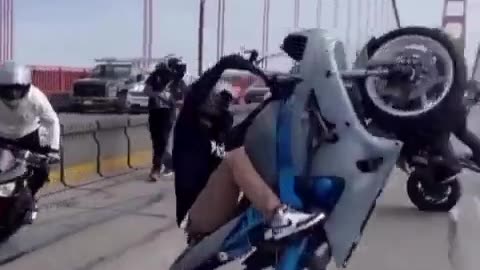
[{"x": 126, "y": 223}]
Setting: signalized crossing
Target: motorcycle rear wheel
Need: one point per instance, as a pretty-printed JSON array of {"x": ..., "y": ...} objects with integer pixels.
[{"x": 439, "y": 199}]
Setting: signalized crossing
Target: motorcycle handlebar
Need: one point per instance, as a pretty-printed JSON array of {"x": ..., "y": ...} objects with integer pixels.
[{"x": 28, "y": 155}]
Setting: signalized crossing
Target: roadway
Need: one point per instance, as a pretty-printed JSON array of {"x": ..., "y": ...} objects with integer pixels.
[{"x": 126, "y": 223}]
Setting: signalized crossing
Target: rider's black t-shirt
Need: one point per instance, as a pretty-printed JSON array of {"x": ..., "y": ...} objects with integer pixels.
[{"x": 197, "y": 151}]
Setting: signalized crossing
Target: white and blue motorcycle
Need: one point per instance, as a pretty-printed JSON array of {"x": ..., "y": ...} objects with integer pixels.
[{"x": 321, "y": 155}]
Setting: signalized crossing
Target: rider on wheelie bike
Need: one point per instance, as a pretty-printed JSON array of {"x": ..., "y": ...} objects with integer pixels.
[
  {"x": 24, "y": 109},
  {"x": 211, "y": 165}
]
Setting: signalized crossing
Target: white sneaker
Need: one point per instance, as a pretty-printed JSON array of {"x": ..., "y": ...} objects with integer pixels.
[
  {"x": 288, "y": 221},
  {"x": 31, "y": 215},
  {"x": 167, "y": 172}
]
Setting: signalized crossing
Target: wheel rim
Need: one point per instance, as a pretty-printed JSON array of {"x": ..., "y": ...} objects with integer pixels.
[
  {"x": 434, "y": 197},
  {"x": 426, "y": 89}
]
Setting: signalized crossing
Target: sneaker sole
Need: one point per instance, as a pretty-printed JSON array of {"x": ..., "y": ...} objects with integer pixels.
[{"x": 314, "y": 221}]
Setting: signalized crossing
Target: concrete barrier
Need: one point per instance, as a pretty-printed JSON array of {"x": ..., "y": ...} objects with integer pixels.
[
  {"x": 112, "y": 145},
  {"x": 140, "y": 144},
  {"x": 79, "y": 153},
  {"x": 107, "y": 146}
]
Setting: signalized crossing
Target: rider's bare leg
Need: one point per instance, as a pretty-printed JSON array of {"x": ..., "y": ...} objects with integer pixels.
[
  {"x": 251, "y": 183},
  {"x": 218, "y": 201}
]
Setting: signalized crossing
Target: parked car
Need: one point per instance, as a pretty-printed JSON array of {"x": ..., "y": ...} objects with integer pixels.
[{"x": 255, "y": 94}]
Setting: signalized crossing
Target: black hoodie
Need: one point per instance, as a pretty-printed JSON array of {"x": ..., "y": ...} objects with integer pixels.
[{"x": 197, "y": 150}]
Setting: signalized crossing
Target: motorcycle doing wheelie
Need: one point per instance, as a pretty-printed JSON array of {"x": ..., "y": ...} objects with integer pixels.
[
  {"x": 318, "y": 155},
  {"x": 16, "y": 200}
]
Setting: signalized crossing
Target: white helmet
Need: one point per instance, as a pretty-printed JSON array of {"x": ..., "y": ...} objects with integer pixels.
[
  {"x": 12, "y": 73},
  {"x": 15, "y": 81}
]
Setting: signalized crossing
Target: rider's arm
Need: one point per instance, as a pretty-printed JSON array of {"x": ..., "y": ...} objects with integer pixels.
[
  {"x": 236, "y": 136},
  {"x": 149, "y": 84},
  {"x": 178, "y": 89},
  {"x": 156, "y": 82},
  {"x": 201, "y": 88},
  {"x": 48, "y": 118}
]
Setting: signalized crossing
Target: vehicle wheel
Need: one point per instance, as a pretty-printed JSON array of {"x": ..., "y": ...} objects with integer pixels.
[
  {"x": 7, "y": 233},
  {"x": 19, "y": 211},
  {"x": 440, "y": 84},
  {"x": 77, "y": 109},
  {"x": 440, "y": 198},
  {"x": 123, "y": 103}
]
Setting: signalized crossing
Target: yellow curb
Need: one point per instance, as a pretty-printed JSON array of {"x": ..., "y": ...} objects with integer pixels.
[
  {"x": 113, "y": 164},
  {"x": 75, "y": 173},
  {"x": 141, "y": 159},
  {"x": 82, "y": 172}
]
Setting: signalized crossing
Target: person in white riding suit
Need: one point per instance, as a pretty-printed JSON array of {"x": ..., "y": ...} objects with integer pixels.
[{"x": 24, "y": 109}]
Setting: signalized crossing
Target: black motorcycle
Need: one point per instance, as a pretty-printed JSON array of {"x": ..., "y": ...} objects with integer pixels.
[{"x": 16, "y": 200}]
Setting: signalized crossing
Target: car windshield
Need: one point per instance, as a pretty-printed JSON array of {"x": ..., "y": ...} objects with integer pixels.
[{"x": 111, "y": 71}]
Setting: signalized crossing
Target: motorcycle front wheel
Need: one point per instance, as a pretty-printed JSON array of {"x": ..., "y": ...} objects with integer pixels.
[
  {"x": 16, "y": 217},
  {"x": 438, "y": 86},
  {"x": 433, "y": 198}
]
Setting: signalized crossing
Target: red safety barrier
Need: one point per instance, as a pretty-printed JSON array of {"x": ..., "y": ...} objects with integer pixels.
[{"x": 56, "y": 80}]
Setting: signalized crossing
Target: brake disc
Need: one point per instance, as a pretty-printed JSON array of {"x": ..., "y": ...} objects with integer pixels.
[{"x": 430, "y": 82}]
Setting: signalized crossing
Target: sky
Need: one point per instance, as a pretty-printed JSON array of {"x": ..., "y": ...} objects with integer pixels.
[{"x": 73, "y": 32}]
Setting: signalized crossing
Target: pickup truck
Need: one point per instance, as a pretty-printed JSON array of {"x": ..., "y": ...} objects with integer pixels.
[{"x": 112, "y": 85}]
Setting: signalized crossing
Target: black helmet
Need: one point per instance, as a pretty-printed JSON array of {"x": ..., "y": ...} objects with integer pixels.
[{"x": 177, "y": 66}]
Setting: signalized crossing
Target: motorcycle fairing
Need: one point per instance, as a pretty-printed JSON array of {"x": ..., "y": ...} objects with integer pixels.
[
  {"x": 10, "y": 169},
  {"x": 14, "y": 173},
  {"x": 323, "y": 58},
  {"x": 234, "y": 239},
  {"x": 200, "y": 254}
]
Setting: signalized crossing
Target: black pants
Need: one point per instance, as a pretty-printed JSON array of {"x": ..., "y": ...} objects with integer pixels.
[
  {"x": 442, "y": 146},
  {"x": 40, "y": 175},
  {"x": 470, "y": 139},
  {"x": 160, "y": 123}
]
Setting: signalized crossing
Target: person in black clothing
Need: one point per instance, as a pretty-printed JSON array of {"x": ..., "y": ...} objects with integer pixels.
[
  {"x": 164, "y": 87},
  {"x": 211, "y": 165}
]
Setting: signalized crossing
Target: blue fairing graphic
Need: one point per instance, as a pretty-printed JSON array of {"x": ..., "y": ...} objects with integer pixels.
[
  {"x": 323, "y": 193},
  {"x": 286, "y": 181}
]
